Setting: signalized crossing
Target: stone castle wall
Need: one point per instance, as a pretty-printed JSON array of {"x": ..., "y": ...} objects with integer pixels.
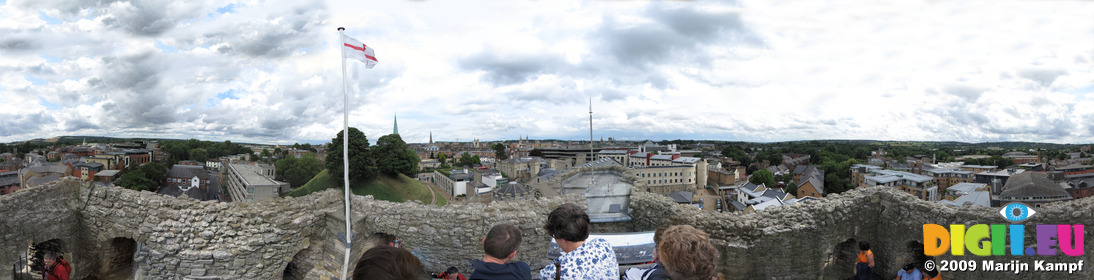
[{"x": 299, "y": 237}]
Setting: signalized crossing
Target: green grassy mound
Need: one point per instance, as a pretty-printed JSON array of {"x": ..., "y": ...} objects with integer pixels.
[{"x": 394, "y": 189}]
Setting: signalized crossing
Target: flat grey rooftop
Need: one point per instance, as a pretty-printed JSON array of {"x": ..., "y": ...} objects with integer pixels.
[{"x": 251, "y": 174}]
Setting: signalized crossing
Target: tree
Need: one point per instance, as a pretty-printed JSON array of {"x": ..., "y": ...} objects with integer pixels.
[
  {"x": 137, "y": 180},
  {"x": 298, "y": 172},
  {"x": 792, "y": 188},
  {"x": 362, "y": 165},
  {"x": 536, "y": 153},
  {"x": 468, "y": 160},
  {"x": 737, "y": 154},
  {"x": 199, "y": 155},
  {"x": 499, "y": 152},
  {"x": 763, "y": 176},
  {"x": 393, "y": 158},
  {"x": 148, "y": 177},
  {"x": 441, "y": 157}
]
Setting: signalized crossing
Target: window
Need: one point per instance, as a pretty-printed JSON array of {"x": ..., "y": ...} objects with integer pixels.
[{"x": 251, "y": 190}]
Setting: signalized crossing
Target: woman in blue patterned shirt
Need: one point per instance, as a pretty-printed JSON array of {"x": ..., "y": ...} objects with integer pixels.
[{"x": 580, "y": 259}]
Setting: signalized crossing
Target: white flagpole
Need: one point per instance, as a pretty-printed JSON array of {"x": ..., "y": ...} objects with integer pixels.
[{"x": 345, "y": 151}]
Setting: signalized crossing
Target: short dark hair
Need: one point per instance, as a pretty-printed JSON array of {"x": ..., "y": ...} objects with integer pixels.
[
  {"x": 909, "y": 266},
  {"x": 568, "y": 222},
  {"x": 501, "y": 241},
  {"x": 863, "y": 246},
  {"x": 385, "y": 262}
]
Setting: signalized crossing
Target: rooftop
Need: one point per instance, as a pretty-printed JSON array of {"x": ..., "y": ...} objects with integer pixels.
[
  {"x": 661, "y": 157},
  {"x": 687, "y": 160},
  {"x": 888, "y": 176},
  {"x": 978, "y": 198},
  {"x": 186, "y": 171},
  {"x": 107, "y": 173},
  {"x": 251, "y": 174},
  {"x": 1001, "y": 172},
  {"x": 965, "y": 188},
  {"x": 1026, "y": 185},
  {"x": 681, "y": 197}
]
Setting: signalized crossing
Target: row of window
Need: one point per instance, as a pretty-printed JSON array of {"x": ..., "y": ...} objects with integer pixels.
[
  {"x": 176, "y": 180},
  {"x": 665, "y": 181},
  {"x": 662, "y": 174}
]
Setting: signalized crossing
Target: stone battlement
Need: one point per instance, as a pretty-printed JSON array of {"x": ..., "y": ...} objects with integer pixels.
[{"x": 298, "y": 237}]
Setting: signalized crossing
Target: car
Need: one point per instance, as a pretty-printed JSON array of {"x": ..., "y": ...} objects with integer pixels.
[
  {"x": 718, "y": 204},
  {"x": 700, "y": 204}
]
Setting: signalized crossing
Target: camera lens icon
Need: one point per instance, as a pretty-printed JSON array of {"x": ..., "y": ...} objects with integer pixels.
[{"x": 1016, "y": 212}]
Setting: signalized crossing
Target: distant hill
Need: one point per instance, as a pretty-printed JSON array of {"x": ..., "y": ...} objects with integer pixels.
[{"x": 394, "y": 189}]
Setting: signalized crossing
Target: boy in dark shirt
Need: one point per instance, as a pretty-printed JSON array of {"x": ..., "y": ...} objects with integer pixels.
[{"x": 501, "y": 245}]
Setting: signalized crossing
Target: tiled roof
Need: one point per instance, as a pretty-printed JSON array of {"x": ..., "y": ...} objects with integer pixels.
[
  {"x": 681, "y": 197},
  {"x": 186, "y": 171},
  {"x": 1032, "y": 184}
]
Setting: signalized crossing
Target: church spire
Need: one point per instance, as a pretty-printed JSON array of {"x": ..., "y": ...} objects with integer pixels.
[
  {"x": 431, "y": 137},
  {"x": 396, "y": 129}
]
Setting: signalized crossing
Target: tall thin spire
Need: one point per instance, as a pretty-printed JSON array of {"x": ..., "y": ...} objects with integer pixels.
[
  {"x": 591, "y": 155},
  {"x": 396, "y": 129},
  {"x": 430, "y": 137}
]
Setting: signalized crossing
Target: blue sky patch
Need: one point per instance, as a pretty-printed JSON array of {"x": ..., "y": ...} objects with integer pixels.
[
  {"x": 49, "y": 20},
  {"x": 166, "y": 48},
  {"x": 230, "y": 94},
  {"x": 231, "y": 8},
  {"x": 49, "y": 105},
  {"x": 36, "y": 81},
  {"x": 1087, "y": 89},
  {"x": 50, "y": 58}
]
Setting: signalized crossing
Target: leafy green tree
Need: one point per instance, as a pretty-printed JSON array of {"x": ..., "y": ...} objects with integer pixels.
[
  {"x": 155, "y": 171},
  {"x": 465, "y": 160},
  {"x": 392, "y": 156},
  {"x": 411, "y": 154},
  {"x": 298, "y": 171},
  {"x": 442, "y": 158},
  {"x": 536, "y": 153},
  {"x": 763, "y": 176},
  {"x": 137, "y": 180},
  {"x": 499, "y": 151},
  {"x": 362, "y": 164},
  {"x": 737, "y": 154},
  {"x": 199, "y": 154},
  {"x": 148, "y": 177},
  {"x": 792, "y": 188}
]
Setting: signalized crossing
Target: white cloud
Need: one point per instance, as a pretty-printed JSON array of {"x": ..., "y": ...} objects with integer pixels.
[{"x": 268, "y": 71}]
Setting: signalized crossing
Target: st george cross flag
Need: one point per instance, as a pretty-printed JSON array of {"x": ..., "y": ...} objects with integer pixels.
[{"x": 356, "y": 50}]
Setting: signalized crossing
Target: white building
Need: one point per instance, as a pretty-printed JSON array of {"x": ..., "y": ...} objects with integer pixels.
[{"x": 251, "y": 182}]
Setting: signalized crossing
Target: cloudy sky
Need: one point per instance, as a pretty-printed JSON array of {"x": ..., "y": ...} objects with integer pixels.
[{"x": 270, "y": 71}]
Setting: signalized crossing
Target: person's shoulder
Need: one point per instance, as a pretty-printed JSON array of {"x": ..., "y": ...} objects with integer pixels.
[
  {"x": 521, "y": 266},
  {"x": 517, "y": 264},
  {"x": 600, "y": 242}
]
